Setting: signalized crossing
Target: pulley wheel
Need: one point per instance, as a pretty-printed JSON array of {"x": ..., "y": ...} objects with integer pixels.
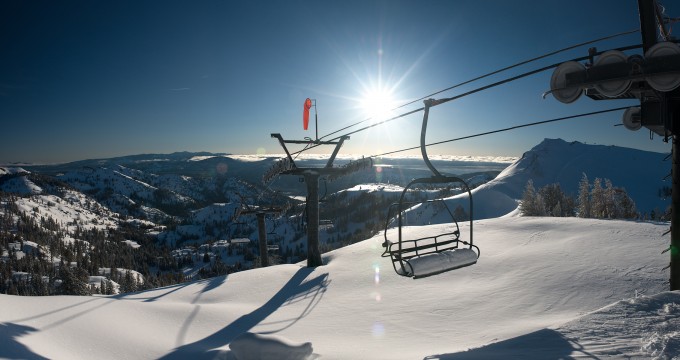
[
  {"x": 664, "y": 82},
  {"x": 631, "y": 118},
  {"x": 612, "y": 88},
  {"x": 558, "y": 82}
]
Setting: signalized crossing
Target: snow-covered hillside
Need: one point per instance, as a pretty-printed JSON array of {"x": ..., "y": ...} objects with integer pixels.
[
  {"x": 640, "y": 173},
  {"x": 543, "y": 288}
]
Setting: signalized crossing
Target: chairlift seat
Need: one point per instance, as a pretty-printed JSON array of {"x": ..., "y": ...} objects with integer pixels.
[
  {"x": 438, "y": 262},
  {"x": 431, "y": 255}
]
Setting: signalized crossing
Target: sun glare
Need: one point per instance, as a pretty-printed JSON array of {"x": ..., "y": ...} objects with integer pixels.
[{"x": 377, "y": 104}]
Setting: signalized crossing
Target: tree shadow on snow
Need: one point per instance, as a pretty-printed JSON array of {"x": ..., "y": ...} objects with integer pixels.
[
  {"x": 542, "y": 344},
  {"x": 213, "y": 283},
  {"x": 210, "y": 284},
  {"x": 294, "y": 290},
  {"x": 10, "y": 348}
]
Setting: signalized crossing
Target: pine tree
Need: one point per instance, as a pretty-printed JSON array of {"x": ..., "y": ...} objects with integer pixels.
[
  {"x": 72, "y": 282},
  {"x": 129, "y": 283},
  {"x": 584, "y": 197},
  {"x": 110, "y": 289},
  {"x": 103, "y": 288},
  {"x": 557, "y": 210},
  {"x": 540, "y": 206},
  {"x": 626, "y": 205},
  {"x": 597, "y": 202},
  {"x": 529, "y": 204},
  {"x": 554, "y": 201},
  {"x": 610, "y": 208},
  {"x": 39, "y": 286},
  {"x": 459, "y": 214}
]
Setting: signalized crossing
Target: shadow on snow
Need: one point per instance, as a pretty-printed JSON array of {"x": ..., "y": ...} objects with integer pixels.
[
  {"x": 541, "y": 344},
  {"x": 10, "y": 348},
  {"x": 296, "y": 289}
]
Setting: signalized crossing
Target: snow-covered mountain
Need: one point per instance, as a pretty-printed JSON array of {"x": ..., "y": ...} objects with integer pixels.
[
  {"x": 156, "y": 188},
  {"x": 542, "y": 288},
  {"x": 555, "y": 161},
  {"x": 640, "y": 173}
]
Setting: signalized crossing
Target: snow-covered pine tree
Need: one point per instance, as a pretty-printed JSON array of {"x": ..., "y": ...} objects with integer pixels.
[
  {"x": 610, "y": 208},
  {"x": 557, "y": 210},
  {"x": 584, "y": 197},
  {"x": 625, "y": 205},
  {"x": 555, "y": 202},
  {"x": 129, "y": 283},
  {"x": 528, "y": 205},
  {"x": 103, "y": 288},
  {"x": 540, "y": 206},
  {"x": 597, "y": 202}
]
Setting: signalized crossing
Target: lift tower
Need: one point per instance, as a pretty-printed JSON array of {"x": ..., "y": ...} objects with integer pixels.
[
  {"x": 260, "y": 213},
  {"x": 311, "y": 178},
  {"x": 654, "y": 79}
]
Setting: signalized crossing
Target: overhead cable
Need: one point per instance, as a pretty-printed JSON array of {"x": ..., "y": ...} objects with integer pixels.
[
  {"x": 505, "y": 129},
  {"x": 494, "y": 73},
  {"x": 486, "y": 87}
]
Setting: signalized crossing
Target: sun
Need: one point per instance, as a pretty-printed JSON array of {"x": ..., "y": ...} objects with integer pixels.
[{"x": 378, "y": 103}]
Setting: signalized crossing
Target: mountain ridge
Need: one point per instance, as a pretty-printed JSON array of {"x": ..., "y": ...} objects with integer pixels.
[{"x": 558, "y": 161}]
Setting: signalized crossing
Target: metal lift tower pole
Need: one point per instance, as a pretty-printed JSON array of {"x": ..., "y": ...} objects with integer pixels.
[
  {"x": 313, "y": 252},
  {"x": 262, "y": 237},
  {"x": 675, "y": 218},
  {"x": 311, "y": 176},
  {"x": 670, "y": 115},
  {"x": 262, "y": 231}
]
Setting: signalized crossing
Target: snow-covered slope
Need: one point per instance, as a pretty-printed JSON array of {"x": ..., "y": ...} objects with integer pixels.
[
  {"x": 18, "y": 182},
  {"x": 21, "y": 185},
  {"x": 640, "y": 173},
  {"x": 543, "y": 288},
  {"x": 71, "y": 210}
]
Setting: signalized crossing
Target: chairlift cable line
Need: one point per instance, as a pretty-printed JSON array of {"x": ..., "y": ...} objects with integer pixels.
[
  {"x": 494, "y": 73},
  {"x": 486, "y": 87},
  {"x": 445, "y": 100},
  {"x": 505, "y": 129}
]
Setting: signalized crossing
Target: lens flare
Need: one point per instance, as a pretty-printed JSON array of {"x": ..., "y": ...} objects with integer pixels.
[
  {"x": 378, "y": 174},
  {"x": 378, "y": 329},
  {"x": 222, "y": 168}
]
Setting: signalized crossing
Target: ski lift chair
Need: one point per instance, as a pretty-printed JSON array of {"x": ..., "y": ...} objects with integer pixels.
[
  {"x": 273, "y": 241},
  {"x": 429, "y": 255}
]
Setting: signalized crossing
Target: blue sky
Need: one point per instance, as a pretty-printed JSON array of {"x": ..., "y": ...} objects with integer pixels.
[{"x": 96, "y": 79}]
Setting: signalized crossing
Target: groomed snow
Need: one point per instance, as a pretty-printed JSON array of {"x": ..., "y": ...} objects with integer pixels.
[{"x": 542, "y": 288}]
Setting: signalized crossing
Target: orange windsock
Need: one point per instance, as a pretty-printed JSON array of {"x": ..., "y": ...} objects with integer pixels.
[{"x": 305, "y": 113}]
